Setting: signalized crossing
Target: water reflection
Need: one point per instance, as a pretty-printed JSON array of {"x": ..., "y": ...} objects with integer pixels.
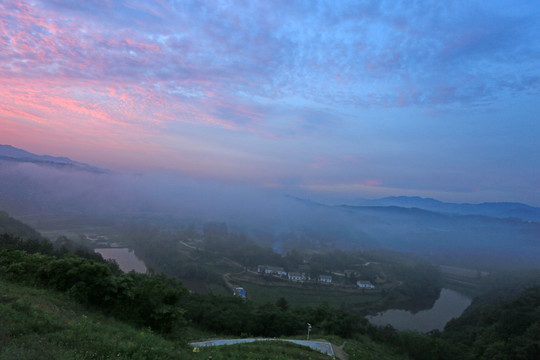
[
  {"x": 450, "y": 304},
  {"x": 125, "y": 258}
]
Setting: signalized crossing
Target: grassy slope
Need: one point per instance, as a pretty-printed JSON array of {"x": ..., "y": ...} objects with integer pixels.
[
  {"x": 363, "y": 348},
  {"x": 41, "y": 324}
]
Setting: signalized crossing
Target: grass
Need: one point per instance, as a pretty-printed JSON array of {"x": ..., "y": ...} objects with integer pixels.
[
  {"x": 363, "y": 348},
  {"x": 39, "y": 324},
  {"x": 218, "y": 289}
]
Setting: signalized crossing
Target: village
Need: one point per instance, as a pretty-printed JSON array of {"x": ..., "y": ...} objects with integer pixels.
[
  {"x": 266, "y": 270},
  {"x": 301, "y": 276}
]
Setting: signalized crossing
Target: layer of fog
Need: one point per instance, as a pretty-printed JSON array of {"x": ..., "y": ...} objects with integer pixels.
[
  {"x": 29, "y": 189},
  {"x": 34, "y": 192}
]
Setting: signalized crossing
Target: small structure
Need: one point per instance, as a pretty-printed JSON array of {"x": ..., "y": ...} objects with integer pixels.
[
  {"x": 350, "y": 273},
  {"x": 240, "y": 292},
  {"x": 364, "y": 284},
  {"x": 295, "y": 276},
  {"x": 271, "y": 270},
  {"x": 327, "y": 279}
]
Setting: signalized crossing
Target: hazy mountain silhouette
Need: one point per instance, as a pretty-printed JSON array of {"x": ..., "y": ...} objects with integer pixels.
[
  {"x": 493, "y": 209},
  {"x": 13, "y": 154}
]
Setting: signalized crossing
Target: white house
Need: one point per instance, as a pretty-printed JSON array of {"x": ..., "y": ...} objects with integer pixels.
[
  {"x": 327, "y": 279},
  {"x": 365, "y": 284},
  {"x": 271, "y": 270},
  {"x": 295, "y": 276}
]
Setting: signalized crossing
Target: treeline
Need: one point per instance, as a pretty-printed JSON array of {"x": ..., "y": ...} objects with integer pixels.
[
  {"x": 59, "y": 248},
  {"x": 159, "y": 301},
  {"x": 500, "y": 328},
  {"x": 232, "y": 316},
  {"x": 146, "y": 300}
]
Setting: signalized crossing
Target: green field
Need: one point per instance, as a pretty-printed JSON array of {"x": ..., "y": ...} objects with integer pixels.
[{"x": 306, "y": 296}]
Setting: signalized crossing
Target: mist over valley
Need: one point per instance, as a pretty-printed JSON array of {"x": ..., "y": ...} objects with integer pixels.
[{"x": 485, "y": 236}]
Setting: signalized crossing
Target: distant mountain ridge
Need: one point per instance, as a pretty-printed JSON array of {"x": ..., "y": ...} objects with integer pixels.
[
  {"x": 492, "y": 209},
  {"x": 489, "y": 235},
  {"x": 11, "y": 153}
]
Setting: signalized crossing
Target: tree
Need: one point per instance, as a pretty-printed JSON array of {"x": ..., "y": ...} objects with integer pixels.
[{"x": 282, "y": 303}]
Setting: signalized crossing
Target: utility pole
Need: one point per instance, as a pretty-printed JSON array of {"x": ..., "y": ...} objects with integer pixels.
[{"x": 308, "y": 330}]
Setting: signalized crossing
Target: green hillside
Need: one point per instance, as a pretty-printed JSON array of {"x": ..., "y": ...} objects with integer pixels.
[
  {"x": 9, "y": 225},
  {"x": 59, "y": 302},
  {"x": 63, "y": 306},
  {"x": 43, "y": 324}
]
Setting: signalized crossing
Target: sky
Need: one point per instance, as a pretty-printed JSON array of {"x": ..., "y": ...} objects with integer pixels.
[{"x": 345, "y": 99}]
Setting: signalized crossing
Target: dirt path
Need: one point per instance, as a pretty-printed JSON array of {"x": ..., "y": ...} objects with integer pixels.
[
  {"x": 226, "y": 279},
  {"x": 340, "y": 353}
]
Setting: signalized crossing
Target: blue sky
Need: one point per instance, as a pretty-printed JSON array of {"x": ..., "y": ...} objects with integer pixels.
[{"x": 339, "y": 98}]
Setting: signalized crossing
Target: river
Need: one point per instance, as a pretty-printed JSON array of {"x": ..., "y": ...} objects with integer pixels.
[
  {"x": 450, "y": 304},
  {"x": 125, "y": 258}
]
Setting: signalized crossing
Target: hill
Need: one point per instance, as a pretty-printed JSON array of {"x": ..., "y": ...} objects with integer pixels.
[
  {"x": 500, "y": 328},
  {"x": 14, "y": 227},
  {"x": 471, "y": 241},
  {"x": 43, "y": 324},
  {"x": 492, "y": 209},
  {"x": 13, "y": 154}
]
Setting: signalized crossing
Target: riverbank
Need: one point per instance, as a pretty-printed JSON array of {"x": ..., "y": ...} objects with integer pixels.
[{"x": 450, "y": 304}]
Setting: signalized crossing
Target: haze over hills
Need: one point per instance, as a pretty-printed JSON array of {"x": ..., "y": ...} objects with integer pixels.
[
  {"x": 473, "y": 235},
  {"x": 494, "y": 209},
  {"x": 452, "y": 238},
  {"x": 10, "y": 153}
]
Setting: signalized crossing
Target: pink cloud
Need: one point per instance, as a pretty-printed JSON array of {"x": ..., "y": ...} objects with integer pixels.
[
  {"x": 372, "y": 182},
  {"x": 68, "y": 78}
]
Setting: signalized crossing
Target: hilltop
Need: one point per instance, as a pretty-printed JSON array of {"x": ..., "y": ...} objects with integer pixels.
[{"x": 13, "y": 154}]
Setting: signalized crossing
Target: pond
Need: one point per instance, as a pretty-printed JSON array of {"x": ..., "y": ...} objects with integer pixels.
[
  {"x": 125, "y": 258},
  {"x": 450, "y": 304}
]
